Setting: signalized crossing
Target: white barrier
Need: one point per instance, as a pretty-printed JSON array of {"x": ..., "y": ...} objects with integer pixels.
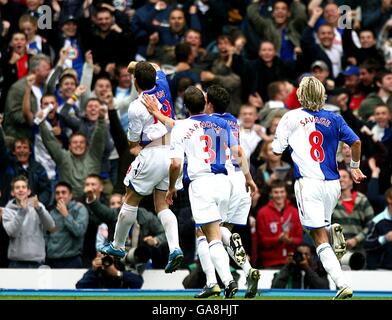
[{"x": 159, "y": 280}]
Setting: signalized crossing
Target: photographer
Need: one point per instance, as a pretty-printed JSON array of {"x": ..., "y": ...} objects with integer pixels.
[
  {"x": 300, "y": 271},
  {"x": 106, "y": 272}
]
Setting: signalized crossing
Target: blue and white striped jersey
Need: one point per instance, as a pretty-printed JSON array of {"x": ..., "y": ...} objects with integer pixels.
[
  {"x": 142, "y": 126},
  {"x": 313, "y": 138},
  {"x": 203, "y": 139},
  {"x": 231, "y": 163}
]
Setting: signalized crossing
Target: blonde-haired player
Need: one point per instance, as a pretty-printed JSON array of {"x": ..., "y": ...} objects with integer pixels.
[{"x": 313, "y": 134}]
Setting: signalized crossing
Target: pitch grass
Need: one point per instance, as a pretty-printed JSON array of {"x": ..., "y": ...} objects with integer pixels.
[{"x": 180, "y": 298}]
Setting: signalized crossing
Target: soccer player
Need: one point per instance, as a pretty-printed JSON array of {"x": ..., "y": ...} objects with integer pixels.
[
  {"x": 218, "y": 100},
  {"x": 202, "y": 138},
  {"x": 148, "y": 173},
  {"x": 313, "y": 135}
]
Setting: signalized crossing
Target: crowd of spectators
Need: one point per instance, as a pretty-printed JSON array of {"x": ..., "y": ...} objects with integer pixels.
[{"x": 65, "y": 92}]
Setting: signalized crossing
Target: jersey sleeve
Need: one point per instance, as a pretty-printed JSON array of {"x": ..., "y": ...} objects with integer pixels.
[
  {"x": 283, "y": 131},
  {"x": 177, "y": 148},
  {"x": 231, "y": 139},
  {"x": 161, "y": 79},
  {"x": 346, "y": 134},
  {"x": 135, "y": 125}
]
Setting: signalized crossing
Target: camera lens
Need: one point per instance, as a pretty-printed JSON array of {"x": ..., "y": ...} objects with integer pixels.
[
  {"x": 107, "y": 261},
  {"x": 298, "y": 257}
]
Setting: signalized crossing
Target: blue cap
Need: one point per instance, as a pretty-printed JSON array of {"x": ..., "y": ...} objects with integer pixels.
[{"x": 351, "y": 71}]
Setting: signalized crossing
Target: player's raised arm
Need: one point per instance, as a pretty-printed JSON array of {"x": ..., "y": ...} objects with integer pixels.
[
  {"x": 132, "y": 65},
  {"x": 151, "y": 103}
]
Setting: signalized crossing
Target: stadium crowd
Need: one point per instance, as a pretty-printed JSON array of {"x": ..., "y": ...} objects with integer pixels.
[{"x": 65, "y": 92}]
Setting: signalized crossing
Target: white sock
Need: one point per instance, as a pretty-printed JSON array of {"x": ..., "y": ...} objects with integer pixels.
[
  {"x": 226, "y": 235},
  {"x": 169, "y": 222},
  {"x": 221, "y": 261},
  {"x": 246, "y": 267},
  {"x": 205, "y": 260},
  {"x": 125, "y": 221},
  {"x": 331, "y": 264}
]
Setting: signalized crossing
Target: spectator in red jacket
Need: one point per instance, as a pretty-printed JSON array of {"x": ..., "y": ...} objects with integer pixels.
[{"x": 278, "y": 227}]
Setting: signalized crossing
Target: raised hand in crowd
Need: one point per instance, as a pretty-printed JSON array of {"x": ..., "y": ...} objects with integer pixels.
[
  {"x": 63, "y": 56},
  {"x": 62, "y": 208},
  {"x": 90, "y": 195},
  {"x": 88, "y": 57},
  {"x": 255, "y": 100},
  {"x": 108, "y": 100},
  {"x": 14, "y": 57},
  {"x": 30, "y": 80},
  {"x": 103, "y": 111},
  {"x": 373, "y": 167}
]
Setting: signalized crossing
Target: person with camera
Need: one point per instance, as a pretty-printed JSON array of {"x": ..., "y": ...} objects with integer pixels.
[
  {"x": 108, "y": 273},
  {"x": 301, "y": 272}
]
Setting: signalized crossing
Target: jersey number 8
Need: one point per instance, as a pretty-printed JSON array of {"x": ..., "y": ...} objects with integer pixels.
[{"x": 317, "y": 153}]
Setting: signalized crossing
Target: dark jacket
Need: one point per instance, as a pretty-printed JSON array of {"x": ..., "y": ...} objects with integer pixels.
[
  {"x": 99, "y": 280},
  {"x": 378, "y": 249},
  {"x": 291, "y": 277},
  {"x": 313, "y": 51},
  {"x": 35, "y": 172},
  {"x": 262, "y": 75}
]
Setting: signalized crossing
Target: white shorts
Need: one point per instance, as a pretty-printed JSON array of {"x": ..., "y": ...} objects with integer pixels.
[
  {"x": 209, "y": 197},
  {"x": 150, "y": 170},
  {"x": 240, "y": 200},
  {"x": 316, "y": 201}
]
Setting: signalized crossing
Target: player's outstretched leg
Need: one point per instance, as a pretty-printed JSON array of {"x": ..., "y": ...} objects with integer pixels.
[
  {"x": 331, "y": 263},
  {"x": 170, "y": 225},
  {"x": 211, "y": 288},
  {"x": 126, "y": 218},
  {"x": 237, "y": 252}
]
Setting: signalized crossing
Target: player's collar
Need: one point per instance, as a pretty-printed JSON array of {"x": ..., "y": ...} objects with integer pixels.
[{"x": 198, "y": 115}]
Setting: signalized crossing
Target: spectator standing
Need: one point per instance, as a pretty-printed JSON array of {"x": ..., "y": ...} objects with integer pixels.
[
  {"x": 378, "y": 242},
  {"x": 25, "y": 220},
  {"x": 278, "y": 228},
  {"x": 65, "y": 244}
]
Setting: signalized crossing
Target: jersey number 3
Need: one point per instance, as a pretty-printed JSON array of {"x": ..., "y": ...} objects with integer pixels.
[
  {"x": 166, "y": 110},
  {"x": 317, "y": 153},
  {"x": 208, "y": 149}
]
